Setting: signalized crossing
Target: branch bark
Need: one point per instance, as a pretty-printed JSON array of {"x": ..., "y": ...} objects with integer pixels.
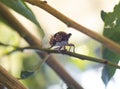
[
  {"x": 70, "y": 23},
  {"x": 9, "y": 81},
  {"x": 33, "y": 41}
]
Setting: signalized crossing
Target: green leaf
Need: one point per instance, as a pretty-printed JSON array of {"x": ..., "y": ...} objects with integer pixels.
[
  {"x": 109, "y": 71},
  {"x": 103, "y": 14},
  {"x": 20, "y": 7},
  {"x": 25, "y": 74},
  {"x": 111, "y": 31}
]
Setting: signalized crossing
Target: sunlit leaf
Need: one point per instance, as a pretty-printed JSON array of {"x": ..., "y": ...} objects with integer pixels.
[
  {"x": 20, "y": 7},
  {"x": 7, "y": 36},
  {"x": 111, "y": 31},
  {"x": 31, "y": 62}
]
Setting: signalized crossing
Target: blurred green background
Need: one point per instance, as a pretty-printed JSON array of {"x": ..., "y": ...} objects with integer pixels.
[{"x": 85, "y": 12}]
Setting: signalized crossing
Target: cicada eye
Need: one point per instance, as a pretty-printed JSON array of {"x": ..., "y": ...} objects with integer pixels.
[{"x": 70, "y": 34}]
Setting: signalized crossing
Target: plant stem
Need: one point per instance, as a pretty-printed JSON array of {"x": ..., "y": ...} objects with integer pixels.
[
  {"x": 70, "y": 23},
  {"x": 72, "y": 54}
]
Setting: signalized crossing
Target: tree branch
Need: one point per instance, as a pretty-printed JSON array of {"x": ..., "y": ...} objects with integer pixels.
[
  {"x": 9, "y": 81},
  {"x": 33, "y": 41},
  {"x": 70, "y": 23}
]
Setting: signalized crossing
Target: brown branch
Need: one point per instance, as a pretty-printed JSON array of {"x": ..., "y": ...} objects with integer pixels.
[
  {"x": 9, "y": 81},
  {"x": 33, "y": 41},
  {"x": 70, "y": 23}
]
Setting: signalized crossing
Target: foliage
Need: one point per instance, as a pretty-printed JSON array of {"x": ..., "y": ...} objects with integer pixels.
[
  {"x": 111, "y": 31},
  {"x": 22, "y": 8},
  {"x": 25, "y": 74}
]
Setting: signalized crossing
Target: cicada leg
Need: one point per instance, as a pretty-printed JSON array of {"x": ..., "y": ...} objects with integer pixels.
[{"x": 71, "y": 45}]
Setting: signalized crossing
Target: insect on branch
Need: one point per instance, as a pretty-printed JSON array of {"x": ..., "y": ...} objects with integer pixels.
[{"x": 60, "y": 41}]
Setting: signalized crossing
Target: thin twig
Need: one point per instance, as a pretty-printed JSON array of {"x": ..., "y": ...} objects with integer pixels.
[
  {"x": 72, "y": 54},
  {"x": 70, "y": 23}
]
